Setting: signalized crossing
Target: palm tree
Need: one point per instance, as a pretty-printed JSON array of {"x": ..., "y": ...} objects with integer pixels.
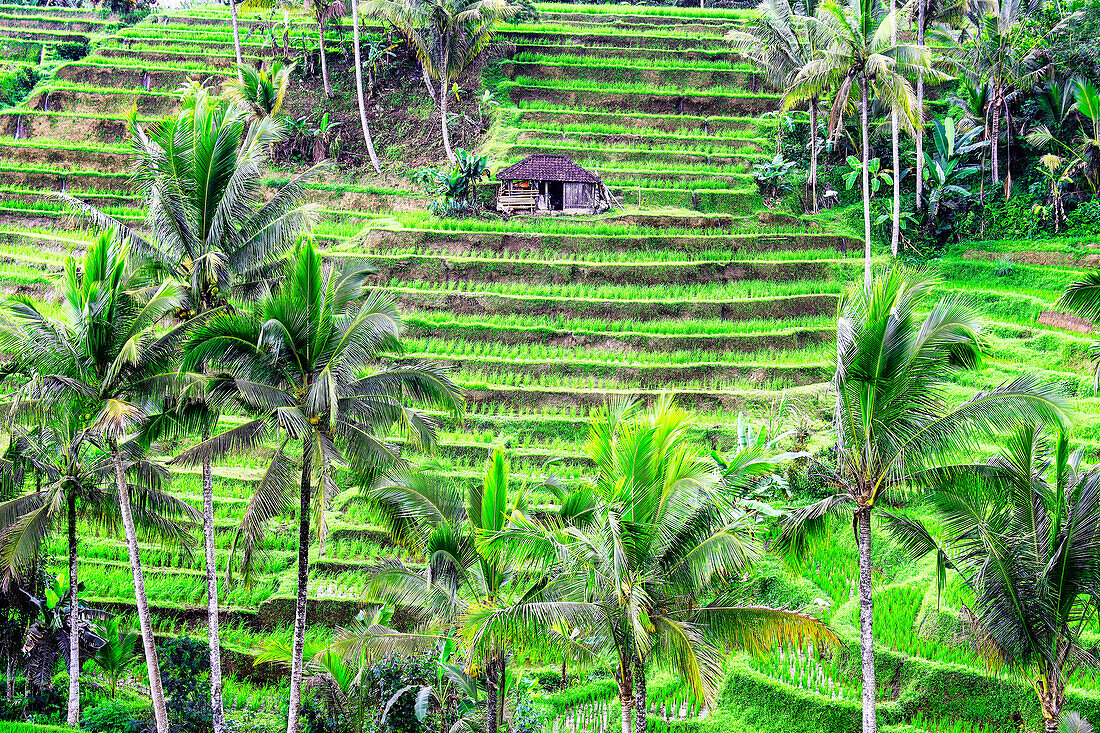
[
  {"x": 62, "y": 452},
  {"x": 292, "y": 361},
  {"x": 323, "y": 11},
  {"x": 777, "y": 40},
  {"x": 359, "y": 89},
  {"x": 1025, "y": 537},
  {"x": 468, "y": 591},
  {"x": 106, "y": 352},
  {"x": 999, "y": 64},
  {"x": 893, "y": 424},
  {"x": 667, "y": 526},
  {"x": 210, "y": 227},
  {"x": 858, "y": 53},
  {"x": 261, "y": 91},
  {"x": 446, "y": 35}
]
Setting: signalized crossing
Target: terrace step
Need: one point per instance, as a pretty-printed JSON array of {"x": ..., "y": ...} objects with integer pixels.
[
  {"x": 639, "y": 139},
  {"x": 655, "y": 272},
  {"x": 626, "y": 15},
  {"x": 58, "y": 153},
  {"x": 41, "y": 34},
  {"x": 29, "y": 124},
  {"x": 713, "y": 400},
  {"x": 106, "y": 75},
  {"x": 154, "y": 58},
  {"x": 613, "y": 375},
  {"x": 652, "y": 74},
  {"x": 560, "y": 334},
  {"x": 718, "y": 53},
  {"x": 110, "y": 103},
  {"x": 57, "y": 179},
  {"x": 581, "y": 22},
  {"x": 42, "y": 23},
  {"x": 731, "y": 309},
  {"x": 571, "y": 119},
  {"x": 469, "y": 242},
  {"x": 39, "y": 11},
  {"x": 695, "y": 104},
  {"x": 609, "y": 39}
]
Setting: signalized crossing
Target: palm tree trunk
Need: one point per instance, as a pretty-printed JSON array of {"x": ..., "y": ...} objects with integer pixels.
[
  {"x": 995, "y": 135},
  {"x": 359, "y": 88},
  {"x": 866, "y": 187},
  {"x": 626, "y": 687},
  {"x": 866, "y": 619},
  {"x": 73, "y": 718},
  {"x": 324, "y": 61},
  {"x": 10, "y": 678},
  {"x": 152, "y": 664},
  {"x": 297, "y": 662},
  {"x": 444, "y": 101},
  {"x": 212, "y": 607},
  {"x": 502, "y": 698},
  {"x": 236, "y": 38},
  {"x": 895, "y": 215},
  {"x": 641, "y": 704},
  {"x": 813, "y": 155},
  {"x": 491, "y": 696},
  {"x": 920, "y": 106}
]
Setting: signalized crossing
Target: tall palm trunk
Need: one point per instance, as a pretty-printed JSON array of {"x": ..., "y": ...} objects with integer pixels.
[
  {"x": 297, "y": 662},
  {"x": 324, "y": 61},
  {"x": 813, "y": 155},
  {"x": 445, "y": 96},
  {"x": 625, "y": 680},
  {"x": 641, "y": 704},
  {"x": 866, "y": 619},
  {"x": 866, "y": 186},
  {"x": 994, "y": 140},
  {"x": 491, "y": 696},
  {"x": 212, "y": 607},
  {"x": 359, "y": 89},
  {"x": 502, "y": 698},
  {"x": 895, "y": 216},
  {"x": 73, "y": 717},
  {"x": 152, "y": 664},
  {"x": 236, "y": 38},
  {"x": 920, "y": 106}
]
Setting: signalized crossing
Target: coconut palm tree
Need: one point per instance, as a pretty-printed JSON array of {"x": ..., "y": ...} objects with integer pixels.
[
  {"x": 293, "y": 361},
  {"x": 778, "y": 41},
  {"x": 858, "y": 61},
  {"x": 667, "y": 526},
  {"x": 998, "y": 63},
  {"x": 359, "y": 89},
  {"x": 210, "y": 227},
  {"x": 446, "y": 36},
  {"x": 469, "y": 591},
  {"x": 261, "y": 91},
  {"x": 1024, "y": 534},
  {"x": 66, "y": 457},
  {"x": 893, "y": 424},
  {"x": 107, "y": 352}
]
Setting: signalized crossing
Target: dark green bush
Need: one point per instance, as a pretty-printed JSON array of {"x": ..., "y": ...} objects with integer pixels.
[
  {"x": 72, "y": 51},
  {"x": 16, "y": 81},
  {"x": 114, "y": 716}
]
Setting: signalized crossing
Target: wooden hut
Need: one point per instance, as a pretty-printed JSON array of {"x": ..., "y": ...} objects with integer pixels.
[{"x": 550, "y": 183}]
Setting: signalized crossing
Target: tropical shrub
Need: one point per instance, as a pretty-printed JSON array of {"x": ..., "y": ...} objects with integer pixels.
[
  {"x": 184, "y": 671},
  {"x": 115, "y": 716}
]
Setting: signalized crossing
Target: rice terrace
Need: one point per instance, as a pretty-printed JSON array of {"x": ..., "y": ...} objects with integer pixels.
[{"x": 401, "y": 366}]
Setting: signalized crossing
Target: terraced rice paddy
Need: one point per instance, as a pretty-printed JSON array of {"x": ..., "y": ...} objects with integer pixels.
[{"x": 693, "y": 288}]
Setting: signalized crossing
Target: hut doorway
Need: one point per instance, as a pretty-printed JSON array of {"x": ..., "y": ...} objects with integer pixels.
[{"x": 555, "y": 195}]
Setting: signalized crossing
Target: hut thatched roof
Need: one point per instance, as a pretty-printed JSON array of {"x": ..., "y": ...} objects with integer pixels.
[{"x": 547, "y": 168}]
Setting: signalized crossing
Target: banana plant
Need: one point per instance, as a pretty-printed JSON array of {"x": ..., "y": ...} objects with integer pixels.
[
  {"x": 946, "y": 169},
  {"x": 878, "y": 175}
]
